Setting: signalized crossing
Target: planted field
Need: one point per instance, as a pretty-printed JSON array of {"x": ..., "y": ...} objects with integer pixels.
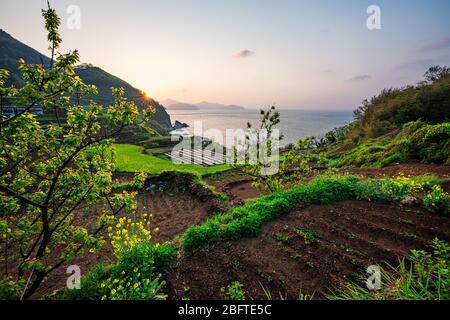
[{"x": 308, "y": 251}]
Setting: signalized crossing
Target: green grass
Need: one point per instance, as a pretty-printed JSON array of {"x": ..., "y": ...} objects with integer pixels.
[
  {"x": 246, "y": 221},
  {"x": 415, "y": 141},
  {"x": 129, "y": 158},
  {"x": 424, "y": 277}
]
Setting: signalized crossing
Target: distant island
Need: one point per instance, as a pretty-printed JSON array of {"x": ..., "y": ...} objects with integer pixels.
[{"x": 170, "y": 104}]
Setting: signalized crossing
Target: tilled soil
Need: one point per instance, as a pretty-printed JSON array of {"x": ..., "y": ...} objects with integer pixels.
[
  {"x": 237, "y": 186},
  {"x": 350, "y": 236},
  {"x": 379, "y": 232},
  {"x": 172, "y": 214}
]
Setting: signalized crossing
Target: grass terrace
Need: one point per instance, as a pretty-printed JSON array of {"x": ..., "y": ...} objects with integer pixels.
[{"x": 130, "y": 158}]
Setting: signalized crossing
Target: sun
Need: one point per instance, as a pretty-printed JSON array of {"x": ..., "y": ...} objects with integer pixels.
[{"x": 146, "y": 95}]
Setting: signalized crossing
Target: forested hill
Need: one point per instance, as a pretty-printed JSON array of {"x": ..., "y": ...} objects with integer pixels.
[{"x": 11, "y": 50}]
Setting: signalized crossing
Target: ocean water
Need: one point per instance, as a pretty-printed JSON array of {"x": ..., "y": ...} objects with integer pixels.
[{"x": 295, "y": 124}]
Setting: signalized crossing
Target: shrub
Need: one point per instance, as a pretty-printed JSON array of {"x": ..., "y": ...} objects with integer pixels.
[
  {"x": 431, "y": 143},
  {"x": 416, "y": 141},
  {"x": 134, "y": 277},
  {"x": 137, "y": 274},
  {"x": 90, "y": 286},
  {"x": 11, "y": 289},
  {"x": 196, "y": 236},
  {"x": 388, "y": 189},
  {"x": 235, "y": 291},
  {"x": 427, "y": 278},
  {"x": 437, "y": 201},
  {"x": 129, "y": 233}
]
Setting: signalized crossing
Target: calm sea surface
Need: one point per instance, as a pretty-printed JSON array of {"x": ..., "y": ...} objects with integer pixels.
[{"x": 295, "y": 124}]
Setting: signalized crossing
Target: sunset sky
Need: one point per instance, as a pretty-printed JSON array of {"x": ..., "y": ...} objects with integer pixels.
[{"x": 296, "y": 54}]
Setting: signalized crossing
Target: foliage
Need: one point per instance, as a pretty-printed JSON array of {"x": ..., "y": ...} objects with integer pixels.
[
  {"x": 270, "y": 170},
  {"x": 436, "y": 73},
  {"x": 235, "y": 291},
  {"x": 90, "y": 285},
  {"x": 10, "y": 289},
  {"x": 437, "y": 201},
  {"x": 246, "y": 221},
  {"x": 411, "y": 123},
  {"x": 137, "y": 274},
  {"x": 308, "y": 236},
  {"x": 48, "y": 171},
  {"x": 281, "y": 238},
  {"x": 129, "y": 233},
  {"x": 129, "y": 158},
  {"x": 425, "y": 277},
  {"x": 415, "y": 141},
  {"x": 394, "y": 107},
  {"x": 389, "y": 189},
  {"x": 430, "y": 143},
  {"x": 134, "y": 277}
]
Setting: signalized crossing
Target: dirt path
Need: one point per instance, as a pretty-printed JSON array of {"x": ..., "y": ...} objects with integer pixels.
[{"x": 351, "y": 235}]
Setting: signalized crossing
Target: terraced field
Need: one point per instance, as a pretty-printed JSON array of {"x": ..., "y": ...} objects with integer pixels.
[
  {"x": 346, "y": 238},
  {"x": 309, "y": 250}
]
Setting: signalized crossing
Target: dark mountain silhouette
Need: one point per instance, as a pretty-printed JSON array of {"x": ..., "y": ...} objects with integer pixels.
[
  {"x": 11, "y": 50},
  {"x": 176, "y": 105}
]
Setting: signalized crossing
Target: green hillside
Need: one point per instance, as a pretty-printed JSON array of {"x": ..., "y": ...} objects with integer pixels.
[
  {"x": 410, "y": 123},
  {"x": 11, "y": 50}
]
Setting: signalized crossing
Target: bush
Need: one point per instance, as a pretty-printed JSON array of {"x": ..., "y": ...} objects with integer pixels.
[
  {"x": 90, "y": 288},
  {"x": 427, "y": 278},
  {"x": 133, "y": 277},
  {"x": 388, "y": 189},
  {"x": 137, "y": 274},
  {"x": 11, "y": 289},
  {"x": 431, "y": 143},
  {"x": 196, "y": 236},
  {"x": 437, "y": 201},
  {"x": 415, "y": 141}
]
